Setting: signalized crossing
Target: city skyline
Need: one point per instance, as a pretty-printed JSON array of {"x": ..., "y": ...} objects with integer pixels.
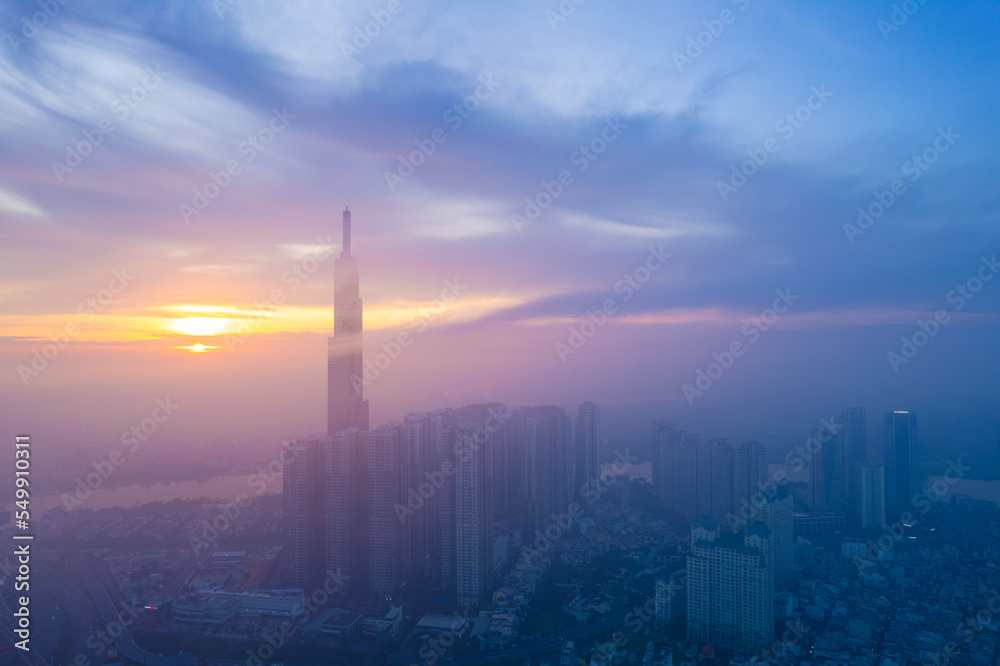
[
  {"x": 391, "y": 334},
  {"x": 208, "y": 281}
]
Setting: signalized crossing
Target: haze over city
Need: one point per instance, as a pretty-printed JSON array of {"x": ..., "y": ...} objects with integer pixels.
[
  {"x": 233, "y": 226},
  {"x": 656, "y": 185}
]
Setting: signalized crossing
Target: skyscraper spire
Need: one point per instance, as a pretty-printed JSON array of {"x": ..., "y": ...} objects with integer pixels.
[
  {"x": 346, "y": 251},
  {"x": 347, "y": 407}
]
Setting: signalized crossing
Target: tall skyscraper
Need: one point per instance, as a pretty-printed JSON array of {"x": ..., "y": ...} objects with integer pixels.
[
  {"x": 900, "y": 459},
  {"x": 825, "y": 475},
  {"x": 302, "y": 513},
  {"x": 473, "y": 516},
  {"x": 587, "y": 459},
  {"x": 664, "y": 447},
  {"x": 749, "y": 474},
  {"x": 543, "y": 441},
  {"x": 871, "y": 500},
  {"x": 344, "y": 465},
  {"x": 853, "y": 440},
  {"x": 385, "y": 491},
  {"x": 721, "y": 478},
  {"x": 346, "y": 406},
  {"x": 776, "y": 509},
  {"x": 730, "y": 587},
  {"x": 676, "y": 459},
  {"x": 426, "y": 485},
  {"x": 467, "y": 498}
]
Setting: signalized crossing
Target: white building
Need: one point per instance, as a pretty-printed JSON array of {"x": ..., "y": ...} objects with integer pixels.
[
  {"x": 730, "y": 588},
  {"x": 671, "y": 597}
]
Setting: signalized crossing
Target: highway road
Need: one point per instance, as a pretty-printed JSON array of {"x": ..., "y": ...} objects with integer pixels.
[
  {"x": 109, "y": 612},
  {"x": 540, "y": 648}
]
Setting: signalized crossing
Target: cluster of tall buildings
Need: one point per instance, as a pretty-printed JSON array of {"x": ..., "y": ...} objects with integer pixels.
[
  {"x": 440, "y": 497},
  {"x": 712, "y": 478},
  {"x": 730, "y": 576},
  {"x": 868, "y": 485},
  {"x": 421, "y": 501},
  {"x": 847, "y": 478},
  {"x": 742, "y": 539}
]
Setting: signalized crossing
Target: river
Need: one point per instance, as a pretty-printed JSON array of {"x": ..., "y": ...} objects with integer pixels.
[{"x": 128, "y": 496}]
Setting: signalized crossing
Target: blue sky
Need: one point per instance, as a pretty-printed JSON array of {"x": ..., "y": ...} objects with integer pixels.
[{"x": 224, "y": 68}]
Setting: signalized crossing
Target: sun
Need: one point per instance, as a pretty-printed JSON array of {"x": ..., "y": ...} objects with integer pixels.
[
  {"x": 201, "y": 325},
  {"x": 198, "y": 348}
]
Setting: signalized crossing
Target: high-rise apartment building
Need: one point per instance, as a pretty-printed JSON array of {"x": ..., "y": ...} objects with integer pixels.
[
  {"x": 749, "y": 474},
  {"x": 665, "y": 455},
  {"x": 900, "y": 460},
  {"x": 776, "y": 507},
  {"x": 730, "y": 587},
  {"x": 871, "y": 501},
  {"x": 676, "y": 457},
  {"x": 721, "y": 479},
  {"x": 827, "y": 475},
  {"x": 587, "y": 459},
  {"x": 853, "y": 449},
  {"x": 543, "y": 443},
  {"x": 386, "y": 475},
  {"x": 426, "y": 484},
  {"x": 302, "y": 514},
  {"x": 473, "y": 515},
  {"x": 344, "y": 469},
  {"x": 671, "y": 599}
]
